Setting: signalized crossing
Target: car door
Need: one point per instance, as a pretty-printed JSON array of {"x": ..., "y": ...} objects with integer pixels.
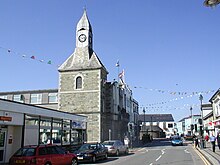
[
  {"x": 56, "y": 157},
  {"x": 102, "y": 150}
]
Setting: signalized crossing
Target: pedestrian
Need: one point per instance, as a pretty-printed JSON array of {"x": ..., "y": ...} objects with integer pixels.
[
  {"x": 212, "y": 140},
  {"x": 196, "y": 141},
  {"x": 218, "y": 140},
  {"x": 126, "y": 141},
  {"x": 207, "y": 137}
]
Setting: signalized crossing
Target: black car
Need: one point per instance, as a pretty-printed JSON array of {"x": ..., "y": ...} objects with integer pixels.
[{"x": 91, "y": 152}]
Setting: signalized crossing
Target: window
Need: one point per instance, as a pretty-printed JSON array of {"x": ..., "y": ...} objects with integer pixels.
[
  {"x": 36, "y": 98},
  {"x": 4, "y": 97},
  {"x": 79, "y": 82},
  {"x": 52, "y": 97},
  {"x": 170, "y": 125},
  {"x": 18, "y": 98}
]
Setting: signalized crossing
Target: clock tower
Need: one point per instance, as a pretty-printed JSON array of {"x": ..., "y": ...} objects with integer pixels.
[
  {"x": 81, "y": 82},
  {"x": 84, "y": 33}
]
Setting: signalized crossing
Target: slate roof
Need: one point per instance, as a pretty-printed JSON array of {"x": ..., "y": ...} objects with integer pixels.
[{"x": 156, "y": 118}]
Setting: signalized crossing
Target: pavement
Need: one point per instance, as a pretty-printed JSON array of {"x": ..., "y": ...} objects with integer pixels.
[{"x": 212, "y": 157}]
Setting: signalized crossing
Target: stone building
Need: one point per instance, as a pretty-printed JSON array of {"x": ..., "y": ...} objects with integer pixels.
[
  {"x": 81, "y": 82},
  {"x": 83, "y": 89}
]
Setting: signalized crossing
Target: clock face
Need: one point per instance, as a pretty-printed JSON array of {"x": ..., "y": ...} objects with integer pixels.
[{"x": 82, "y": 38}]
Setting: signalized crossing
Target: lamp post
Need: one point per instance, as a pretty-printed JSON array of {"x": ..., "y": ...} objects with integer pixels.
[
  {"x": 191, "y": 121},
  {"x": 144, "y": 118},
  {"x": 201, "y": 99},
  {"x": 211, "y": 3}
]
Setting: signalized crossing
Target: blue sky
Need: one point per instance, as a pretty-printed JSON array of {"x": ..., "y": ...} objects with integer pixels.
[{"x": 168, "y": 49}]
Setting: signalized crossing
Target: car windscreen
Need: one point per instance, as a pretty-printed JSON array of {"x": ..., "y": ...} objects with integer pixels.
[
  {"x": 108, "y": 143},
  {"x": 88, "y": 147},
  {"x": 25, "y": 152}
]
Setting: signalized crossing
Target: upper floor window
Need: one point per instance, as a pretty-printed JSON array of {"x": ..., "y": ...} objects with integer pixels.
[
  {"x": 170, "y": 125},
  {"x": 4, "y": 97},
  {"x": 78, "y": 82},
  {"x": 36, "y": 98},
  {"x": 52, "y": 97},
  {"x": 18, "y": 98}
]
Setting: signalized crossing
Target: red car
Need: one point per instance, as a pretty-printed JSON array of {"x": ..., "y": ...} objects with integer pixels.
[{"x": 43, "y": 155}]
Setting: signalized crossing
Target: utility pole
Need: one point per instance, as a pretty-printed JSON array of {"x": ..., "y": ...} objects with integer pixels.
[{"x": 191, "y": 121}]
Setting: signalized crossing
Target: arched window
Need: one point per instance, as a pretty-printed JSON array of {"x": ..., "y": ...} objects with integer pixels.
[{"x": 79, "y": 82}]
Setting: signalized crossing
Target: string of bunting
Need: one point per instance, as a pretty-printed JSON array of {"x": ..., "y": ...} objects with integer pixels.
[
  {"x": 175, "y": 99},
  {"x": 10, "y": 51},
  {"x": 163, "y": 108},
  {"x": 176, "y": 92}
]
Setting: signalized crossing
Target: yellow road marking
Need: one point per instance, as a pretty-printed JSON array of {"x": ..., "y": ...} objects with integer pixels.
[{"x": 202, "y": 157}]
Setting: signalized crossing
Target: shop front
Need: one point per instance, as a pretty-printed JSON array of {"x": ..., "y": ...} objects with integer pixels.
[{"x": 23, "y": 124}]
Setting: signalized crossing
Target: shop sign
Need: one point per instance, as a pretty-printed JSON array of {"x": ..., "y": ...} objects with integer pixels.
[
  {"x": 216, "y": 123},
  {"x": 78, "y": 125},
  {"x": 5, "y": 118}
]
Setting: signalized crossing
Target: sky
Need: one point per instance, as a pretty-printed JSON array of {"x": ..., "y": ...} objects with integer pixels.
[{"x": 169, "y": 50}]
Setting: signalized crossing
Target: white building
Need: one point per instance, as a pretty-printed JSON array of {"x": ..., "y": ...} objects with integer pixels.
[{"x": 23, "y": 124}]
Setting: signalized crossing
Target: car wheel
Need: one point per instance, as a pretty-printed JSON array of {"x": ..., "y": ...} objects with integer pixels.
[
  {"x": 126, "y": 152},
  {"x": 117, "y": 153},
  {"x": 94, "y": 159},
  {"x": 74, "y": 162},
  {"x": 47, "y": 163},
  {"x": 106, "y": 156}
]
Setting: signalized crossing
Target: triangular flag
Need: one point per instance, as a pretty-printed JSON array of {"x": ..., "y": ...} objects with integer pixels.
[
  {"x": 117, "y": 64},
  {"x": 32, "y": 57},
  {"x": 9, "y": 50},
  {"x": 49, "y": 62}
]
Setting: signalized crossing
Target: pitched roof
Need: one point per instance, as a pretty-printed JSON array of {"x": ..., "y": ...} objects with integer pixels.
[{"x": 156, "y": 118}]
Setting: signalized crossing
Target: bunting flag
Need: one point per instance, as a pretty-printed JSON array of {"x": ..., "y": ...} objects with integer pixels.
[
  {"x": 25, "y": 56},
  {"x": 117, "y": 64},
  {"x": 121, "y": 74},
  {"x": 49, "y": 62}
]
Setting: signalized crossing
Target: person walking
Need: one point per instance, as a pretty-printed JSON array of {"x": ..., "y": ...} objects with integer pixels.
[
  {"x": 196, "y": 141},
  {"x": 212, "y": 140},
  {"x": 126, "y": 141},
  {"x": 218, "y": 140}
]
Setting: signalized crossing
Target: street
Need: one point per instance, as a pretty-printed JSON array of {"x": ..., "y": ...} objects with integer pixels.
[{"x": 159, "y": 152}]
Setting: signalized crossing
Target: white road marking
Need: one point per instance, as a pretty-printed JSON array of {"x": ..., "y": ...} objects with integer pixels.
[
  {"x": 163, "y": 151},
  {"x": 151, "y": 164},
  {"x": 186, "y": 151},
  {"x": 158, "y": 158}
]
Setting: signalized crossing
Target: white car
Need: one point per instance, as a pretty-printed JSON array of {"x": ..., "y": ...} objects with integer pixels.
[{"x": 115, "y": 147}]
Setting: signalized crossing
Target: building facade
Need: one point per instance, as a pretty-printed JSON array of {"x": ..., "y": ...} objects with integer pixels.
[
  {"x": 83, "y": 89},
  {"x": 24, "y": 124},
  {"x": 150, "y": 122}
]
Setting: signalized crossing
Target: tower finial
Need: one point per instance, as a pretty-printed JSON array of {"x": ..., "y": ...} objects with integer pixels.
[{"x": 84, "y": 8}]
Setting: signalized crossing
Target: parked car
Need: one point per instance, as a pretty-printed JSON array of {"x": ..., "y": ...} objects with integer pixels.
[
  {"x": 43, "y": 155},
  {"x": 176, "y": 140},
  {"x": 91, "y": 152},
  {"x": 115, "y": 147}
]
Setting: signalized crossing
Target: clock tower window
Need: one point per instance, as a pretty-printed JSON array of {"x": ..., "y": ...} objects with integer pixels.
[{"x": 79, "y": 82}]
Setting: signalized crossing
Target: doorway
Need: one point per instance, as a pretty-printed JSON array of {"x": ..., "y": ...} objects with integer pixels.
[{"x": 3, "y": 133}]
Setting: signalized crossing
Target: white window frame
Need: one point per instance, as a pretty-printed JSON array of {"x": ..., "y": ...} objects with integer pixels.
[
  {"x": 52, "y": 95},
  {"x": 38, "y": 98},
  {"x": 18, "y": 98},
  {"x": 4, "y": 97}
]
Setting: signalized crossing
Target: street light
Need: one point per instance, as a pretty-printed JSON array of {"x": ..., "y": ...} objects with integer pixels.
[
  {"x": 144, "y": 116},
  {"x": 201, "y": 99},
  {"x": 211, "y": 3},
  {"x": 191, "y": 121}
]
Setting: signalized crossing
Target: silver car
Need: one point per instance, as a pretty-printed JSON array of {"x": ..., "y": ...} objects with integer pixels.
[{"x": 115, "y": 147}]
